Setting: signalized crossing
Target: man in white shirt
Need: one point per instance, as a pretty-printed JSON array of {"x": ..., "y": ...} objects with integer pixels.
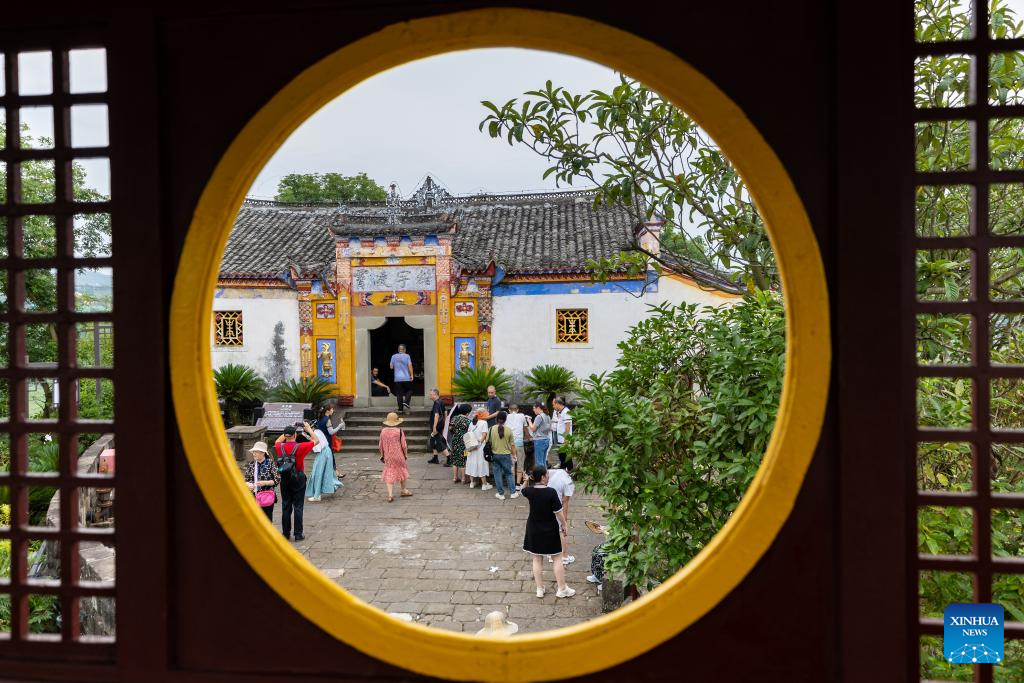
[
  {"x": 561, "y": 427},
  {"x": 562, "y": 483}
]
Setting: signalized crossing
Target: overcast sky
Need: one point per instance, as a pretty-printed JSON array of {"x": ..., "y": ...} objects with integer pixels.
[{"x": 422, "y": 118}]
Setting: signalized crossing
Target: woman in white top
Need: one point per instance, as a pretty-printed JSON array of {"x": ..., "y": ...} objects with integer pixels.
[
  {"x": 322, "y": 478},
  {"x": 476, "y": 466}
]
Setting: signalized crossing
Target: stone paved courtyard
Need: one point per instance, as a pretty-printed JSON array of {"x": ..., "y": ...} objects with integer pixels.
[{"x": 446, "y": 556}]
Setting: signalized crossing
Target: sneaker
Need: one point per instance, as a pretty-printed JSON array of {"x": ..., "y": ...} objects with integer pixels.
[
  {"x": 515, "y": 494},
  {"x": 540, "y": 592},
  {"x": 592, "y": 579},
  {"x": 548, "y": 558},
  {"x": 500, "y": 496},
  {"x": 568, "y": 559},
  {"x": 434, "y": 461},
  {"x": 565, "y": 592},
  {"x": 300, "y": 537},
  {"x": 472, "y": 484},
  {"x": 486, "y": 487},
  {"x": 314, "y": 499}
]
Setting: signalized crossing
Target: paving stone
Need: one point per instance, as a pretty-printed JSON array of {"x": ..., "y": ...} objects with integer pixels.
[
  {"x": 394, "y": 596},
  {"x": 531, "y": 611},
  {"x": 433, "y": 552},
  {"x": 438, "y": 608},
  {"x": 433, "y": 596},
  {"x": 410, "y": 607}
]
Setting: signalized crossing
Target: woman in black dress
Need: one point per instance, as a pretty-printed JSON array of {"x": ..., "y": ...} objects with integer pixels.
[{"x": 543, "y": 526}]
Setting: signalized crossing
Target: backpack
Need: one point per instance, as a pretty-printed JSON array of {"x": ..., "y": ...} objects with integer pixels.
[{"x": 286, "y": 463}]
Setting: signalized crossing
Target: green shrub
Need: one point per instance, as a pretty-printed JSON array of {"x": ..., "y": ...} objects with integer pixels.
[
  {"x": 235, "y": 384},
  {"x": 671, "y": 439},
  {"x": 544, "y": 382},
  {"x": 470, "y": 384},
  {"x": 308, "y": 390}
]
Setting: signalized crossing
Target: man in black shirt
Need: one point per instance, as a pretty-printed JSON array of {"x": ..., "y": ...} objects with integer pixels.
[
  {"x": 493, "y": 406},
  {"x": 377, "y": 387},
  {"x": 437, "y": 412}
]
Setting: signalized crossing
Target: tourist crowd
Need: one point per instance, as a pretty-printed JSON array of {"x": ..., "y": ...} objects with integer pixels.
[{"x": 520, "y": 453}]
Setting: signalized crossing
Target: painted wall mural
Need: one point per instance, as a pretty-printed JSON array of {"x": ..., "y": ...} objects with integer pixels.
[
  {"x": 393, "y": 298},
  {"x": 393, "y": 279},
  {"x": 465, "y": 353},
  {"x": 465, "y": 309},
  {"x": 327, "y": 360},
  {"x": 324, "y": 311}
]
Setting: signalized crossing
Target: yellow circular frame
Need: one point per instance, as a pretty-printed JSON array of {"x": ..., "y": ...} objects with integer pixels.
[{"x": 612, "y": 638}]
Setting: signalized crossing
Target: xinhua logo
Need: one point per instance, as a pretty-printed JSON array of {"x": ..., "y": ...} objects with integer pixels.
[{"x": 973, "y": 633}]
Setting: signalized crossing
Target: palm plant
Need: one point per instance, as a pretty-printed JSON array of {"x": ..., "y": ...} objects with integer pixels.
[
  {"x": 548, "y": 381},
  {"x": 471, "y": 384},
  {"x": 306, "y": 390},
  {"x": 235, "y": 384}
]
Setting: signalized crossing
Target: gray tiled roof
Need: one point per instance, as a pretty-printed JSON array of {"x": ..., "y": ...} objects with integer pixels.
[
  {"x": 266, "y": 239},
  {"x": 524, "y": 233},
  {"x": 536, "y": 234}
]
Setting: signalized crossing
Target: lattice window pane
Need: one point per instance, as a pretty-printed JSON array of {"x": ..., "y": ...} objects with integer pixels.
[
  {"x": 227, "y": 328},
  {"x": 965, "y": 262},
  {"x": 572, "y": 326},
  {"x": 55, "y": 279}
]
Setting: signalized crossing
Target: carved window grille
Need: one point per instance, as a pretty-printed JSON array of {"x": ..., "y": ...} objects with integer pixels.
[
  {"x": 963, "y": 335},
  {"x": 227, "y": 328},
  {"x": 572, "y": 326},
  {"x": 56, "y": 353}
]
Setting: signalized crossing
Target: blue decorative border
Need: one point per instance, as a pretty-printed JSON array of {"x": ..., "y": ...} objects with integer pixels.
[{"x": 582, "y": 287}]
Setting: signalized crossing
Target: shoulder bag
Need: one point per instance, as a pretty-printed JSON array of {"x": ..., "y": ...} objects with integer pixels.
[
  {"x": 263, "y": 498},
  {"x": 470, "y": 440}
]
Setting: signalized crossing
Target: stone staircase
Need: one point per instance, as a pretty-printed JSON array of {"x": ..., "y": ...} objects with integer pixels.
[{"x": 363, "y": 425}]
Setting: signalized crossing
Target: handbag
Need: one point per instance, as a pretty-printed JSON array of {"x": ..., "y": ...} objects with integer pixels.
[
  {"x": 335, "y": 443},
  {"x": 263, "y": 498},
  {"x": 470, "y": 441}
]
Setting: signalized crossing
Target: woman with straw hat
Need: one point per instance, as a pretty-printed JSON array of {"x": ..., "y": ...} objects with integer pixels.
[
  {"x": 394, "y": 452},
  {"x": 496, "y": 625},
  {"x": 262, "y": 477}
]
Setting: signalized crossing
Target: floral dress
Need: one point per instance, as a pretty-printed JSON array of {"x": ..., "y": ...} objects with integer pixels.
[
  {"x": 393, "y": 446},
  {"x": 456, "y": 446}
]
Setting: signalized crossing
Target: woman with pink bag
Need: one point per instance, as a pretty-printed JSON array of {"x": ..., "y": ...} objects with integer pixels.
[{"x": 262, "y": 477}]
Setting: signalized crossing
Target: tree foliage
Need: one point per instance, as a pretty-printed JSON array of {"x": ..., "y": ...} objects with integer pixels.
[
  {"x": 39, "y": 240},
  {"x": 643, "y": 152},
  {"x": 947, "y": 338},
  {"x": 672, "y": 437},
  {"x": 314, "y": 188}
]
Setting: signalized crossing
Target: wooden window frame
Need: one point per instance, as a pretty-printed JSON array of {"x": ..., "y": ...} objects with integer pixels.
[
  {"x": 218, "y": 334},
  {"x": 579, "y": 314},
  {"x": 979, "y": 563}
]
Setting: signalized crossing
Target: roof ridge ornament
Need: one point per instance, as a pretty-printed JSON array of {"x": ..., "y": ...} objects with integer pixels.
[{"x": 393, "y": 205}]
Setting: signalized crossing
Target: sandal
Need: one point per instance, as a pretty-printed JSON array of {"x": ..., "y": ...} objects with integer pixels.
[
  {"x": 391, "y": 499},
  {"x": 405, "y": 494}
]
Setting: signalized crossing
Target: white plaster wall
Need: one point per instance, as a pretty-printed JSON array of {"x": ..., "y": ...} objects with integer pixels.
[
  {"x": 524, "y": 325},
  {"x": 677, "y": 291},
  {"x": 261, "y": 310}
]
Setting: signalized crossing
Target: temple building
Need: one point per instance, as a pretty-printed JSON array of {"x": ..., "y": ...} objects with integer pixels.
[{"x": 484, "y": 280}]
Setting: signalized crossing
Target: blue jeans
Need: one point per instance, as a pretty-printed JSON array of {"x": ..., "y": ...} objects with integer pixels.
[
  {"x": 540, "y": 452},
  {"x": 501, "y": 468}
]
